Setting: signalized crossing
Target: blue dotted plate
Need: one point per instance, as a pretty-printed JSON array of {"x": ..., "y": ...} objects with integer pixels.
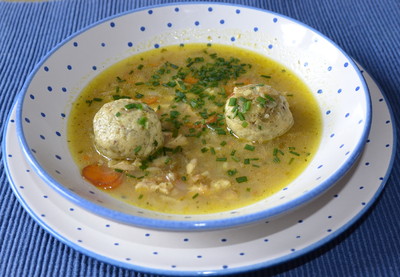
[
  {"x": 211, "y": 252},
  {"x": 331, "y": 75}
]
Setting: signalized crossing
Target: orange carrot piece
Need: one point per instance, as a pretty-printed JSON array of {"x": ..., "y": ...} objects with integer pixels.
[
  {"x": 211, "y": 119},
  {"x": 190, "y": 80},
  {"x": 230, "y": 85},
  {"x": 228, "y": 89},
  {"x": 245, "y": 81},
  {"x": 150, "y": 100},
  {"x": 86, "y": 157},
  {"x": 102, "y": 176}
]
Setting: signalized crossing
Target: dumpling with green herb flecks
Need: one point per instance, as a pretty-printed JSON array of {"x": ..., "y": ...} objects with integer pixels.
[
  {"x": 126, "y": 129},
  {"x": 258, "y": 113}
]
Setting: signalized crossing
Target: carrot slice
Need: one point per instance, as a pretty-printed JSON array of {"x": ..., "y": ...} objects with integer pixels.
[
  {"x": 228, "y": 89},
  {"x": 190, "y": 80},
  {"x": 150, "y": 100},
  {"x": 102, "y": 176},
  {"x": 230, "y": 85},
  {"x": 210, "y": 120}
]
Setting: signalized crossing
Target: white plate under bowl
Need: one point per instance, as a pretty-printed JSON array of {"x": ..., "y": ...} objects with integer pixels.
[
  {"x": 331, "y": 75},
  {"x": 210, "y": 252}
]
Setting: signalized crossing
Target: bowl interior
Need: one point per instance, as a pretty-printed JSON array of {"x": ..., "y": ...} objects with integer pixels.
[{"x": 329, "y": 73}]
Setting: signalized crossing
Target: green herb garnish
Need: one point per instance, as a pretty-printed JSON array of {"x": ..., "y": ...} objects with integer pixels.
[{"x": 241, "y": 179}]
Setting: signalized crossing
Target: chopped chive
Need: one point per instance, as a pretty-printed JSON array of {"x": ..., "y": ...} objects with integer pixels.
[
  {"x": 270, "y": 98},
  {"x": 261, "y": 100},
  {"x": 174, "y": 114},
  {"x": 294, "y": 153},
  {"x": 291, "y": 161},
  {"x": 140, "y": 196},
  {"x": 255, "y": 165},
  {"x": 241, "y": 179},
  {"x": 117, "y": 97},
  {"x": 139, "y": 95},
  {"x": 220, "y": 131},
  {"x": 212, "y": 150},
  {"x": 137, "y": 149},
  {"x": 118, "y": 114},
  {"x": 170, "y": 84},
  {"x": 241, "y": 116},
  {"x": 142, "y": 121},
  {"x": 204, "y": 150},
  {"x": 246, "y": 161},
  {"x": 134, "y": 106},
  {"x": 118, "y": 170},
  {"x": 232, "y": 172},
  {"x": 195, "y": 196},
  {"x": 223, "y": 143},
  {"x": 245, "y": 124},
  {"x": 246, "y": 106},
  {"x": 232, "y": 101},
  {"x": 119, "y": 80},
  {"x": 277, "y": 151},
  {"x": 233, "y": 152},
  {"x": 235, "y": 159},
  {"x": 139, "y": 83},
  {"x": 276, "y": 160},
  {"x": 249, "y": 147},
  {"x": 140, "y": 66},
  {"x": 266, "y": 76},
  {"x": 222, "y": 159}
]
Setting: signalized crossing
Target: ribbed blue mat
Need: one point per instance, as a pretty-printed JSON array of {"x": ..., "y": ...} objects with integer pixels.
[{"x": 367, "y": 30}]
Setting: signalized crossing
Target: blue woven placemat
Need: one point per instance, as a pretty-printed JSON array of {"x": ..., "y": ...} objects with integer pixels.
[{"x": 367, "y": 30}]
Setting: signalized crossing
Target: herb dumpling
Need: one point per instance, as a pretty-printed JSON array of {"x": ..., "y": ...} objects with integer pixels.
[
  {"x": 126, "y": 129},
  {"x": 257, "y": 113}
]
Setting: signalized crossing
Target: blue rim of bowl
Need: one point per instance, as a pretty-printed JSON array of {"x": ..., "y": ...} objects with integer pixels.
[{"x": 190, "y": 225}]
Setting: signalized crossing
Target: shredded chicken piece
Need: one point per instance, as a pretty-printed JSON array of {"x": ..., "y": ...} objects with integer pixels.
[
  {"x": 125, "y": 165},
  {"x": 220, "y": 184},
  {"x": 200, "y": 177},
  {"x": 180, "y": 140},
  {"x": 191, "y": 166},
  {"x": 199, "y": 188},
  {"x": 154, "y": 186}
]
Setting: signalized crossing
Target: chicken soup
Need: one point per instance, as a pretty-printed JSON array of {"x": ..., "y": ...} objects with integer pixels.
[{"x": 191, "y": 129}]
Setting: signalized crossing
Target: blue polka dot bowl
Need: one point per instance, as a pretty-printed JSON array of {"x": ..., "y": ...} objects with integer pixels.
[{"x": 332, "y": 76}]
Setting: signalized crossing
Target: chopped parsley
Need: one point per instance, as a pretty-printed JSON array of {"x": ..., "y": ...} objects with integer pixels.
[{"x": 241, "y": 179}]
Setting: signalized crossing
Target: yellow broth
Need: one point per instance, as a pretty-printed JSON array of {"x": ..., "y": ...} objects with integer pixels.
[{"x": 190, "y": 173}]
